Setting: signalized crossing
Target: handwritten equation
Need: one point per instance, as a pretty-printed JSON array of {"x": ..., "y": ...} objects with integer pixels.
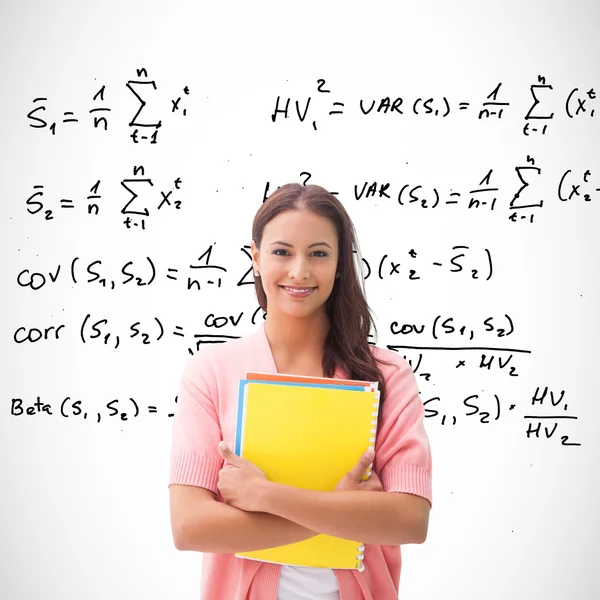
[
  {"x": 490, "y": 358},
  {"x": 143, "y": 125},
  {"x": 548, "y": 407},
  {"x": 142, "y": 198},
  {"x": 571, "y": 187},
  {"x": 491, "y": 411},
  {"x": 478, "y": 346},
  {"x": 576, "y": 103},
  {"x": 449, "y": 329},
  {"x": 206, "y": 272}
]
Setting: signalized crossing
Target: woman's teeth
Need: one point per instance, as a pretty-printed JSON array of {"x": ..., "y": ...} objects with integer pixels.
[{"x": 299, "y": 291}]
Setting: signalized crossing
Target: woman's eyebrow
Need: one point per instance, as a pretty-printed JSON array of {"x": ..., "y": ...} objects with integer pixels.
[{"x": 291, "y": 246}]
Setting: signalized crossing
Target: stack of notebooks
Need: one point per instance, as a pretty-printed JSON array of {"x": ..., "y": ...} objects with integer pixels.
[{"x": 307, "y": 432}]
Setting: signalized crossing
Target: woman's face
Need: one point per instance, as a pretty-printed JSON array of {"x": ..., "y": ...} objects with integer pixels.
[{"x": 299, "y": 249}]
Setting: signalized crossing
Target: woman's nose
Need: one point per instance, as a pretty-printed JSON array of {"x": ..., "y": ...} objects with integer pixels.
[{"x": 299, "y": 269}]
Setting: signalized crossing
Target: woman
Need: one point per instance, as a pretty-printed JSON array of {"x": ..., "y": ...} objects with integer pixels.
[{"x": 317, "y": 324}]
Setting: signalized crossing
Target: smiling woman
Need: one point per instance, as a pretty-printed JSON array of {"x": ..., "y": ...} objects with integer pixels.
[
  {"x": 317, "y": 324},
  {"x": 303, "y": 239},
  {"x": 299, "y": 257}
]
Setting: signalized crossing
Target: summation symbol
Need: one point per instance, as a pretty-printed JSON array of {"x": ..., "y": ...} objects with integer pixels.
[
  {"x": 129, "y": 185},
  {"x": 536, "y": 91},
  {"x": 136, "y": 88}
]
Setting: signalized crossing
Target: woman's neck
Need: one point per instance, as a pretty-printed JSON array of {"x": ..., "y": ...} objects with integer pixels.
[{"x": 302, "y": 337}]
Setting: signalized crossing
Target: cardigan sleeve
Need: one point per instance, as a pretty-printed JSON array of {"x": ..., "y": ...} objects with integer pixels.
[
  {"x": 402, "y": 451},
  {"x": 196, "y": 432}
]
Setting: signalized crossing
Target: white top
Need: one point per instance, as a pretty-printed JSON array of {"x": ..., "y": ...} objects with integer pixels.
[{"x": 307, "y": 583}]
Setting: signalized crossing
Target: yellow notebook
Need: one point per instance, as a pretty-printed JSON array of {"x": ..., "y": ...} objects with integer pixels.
[{"x": 307, "y": 435}]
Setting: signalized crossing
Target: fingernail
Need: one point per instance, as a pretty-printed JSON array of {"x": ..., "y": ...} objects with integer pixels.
[{"x": 370, "y": 454}]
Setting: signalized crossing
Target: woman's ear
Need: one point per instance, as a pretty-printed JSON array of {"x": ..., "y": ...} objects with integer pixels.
[{"x": 254, "y": 252}]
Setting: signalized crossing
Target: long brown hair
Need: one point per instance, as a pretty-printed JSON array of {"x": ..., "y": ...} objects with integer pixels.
[{"x": 347, "y": 343}]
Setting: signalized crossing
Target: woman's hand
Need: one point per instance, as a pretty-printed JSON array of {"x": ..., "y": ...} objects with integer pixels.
[
  {"x": 241, "y": 482},
  {"x": 352, "y": 480}
]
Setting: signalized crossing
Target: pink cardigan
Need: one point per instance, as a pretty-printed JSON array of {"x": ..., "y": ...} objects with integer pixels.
[{"x": 206, "y": 414}]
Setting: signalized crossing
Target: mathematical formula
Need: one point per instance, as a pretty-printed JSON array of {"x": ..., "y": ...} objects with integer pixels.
[
  {"x": 142, "y": 198},
  {"x": 544, "y": 102},
  {"x": 576, "y": 103},
  {"x": 483, "y": 411},
  {"x": 408, "y": 265},
  {"x": 143, "y": 125}
]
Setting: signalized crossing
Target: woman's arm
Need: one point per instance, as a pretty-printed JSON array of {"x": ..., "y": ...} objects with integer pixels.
[
  {"x": 371, "y": 517},
  {"x": 219, "y": 527}
]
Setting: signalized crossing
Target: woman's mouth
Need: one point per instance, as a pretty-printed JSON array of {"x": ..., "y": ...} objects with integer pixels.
[{"x": 298, "y": 292}]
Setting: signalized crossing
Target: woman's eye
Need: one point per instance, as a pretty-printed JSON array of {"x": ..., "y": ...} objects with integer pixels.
[{"x": 321, "y": 253}]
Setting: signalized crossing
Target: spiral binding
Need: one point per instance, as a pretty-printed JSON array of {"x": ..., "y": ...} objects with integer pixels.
[
  {"x": 373, "y": 431},
  {"x": 375, "y": 414},
  {"x": 359, "y": 557}
]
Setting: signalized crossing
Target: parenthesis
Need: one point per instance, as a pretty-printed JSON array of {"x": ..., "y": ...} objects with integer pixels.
[
  {"x": 447, "y": 107},
  {"x": 117, "y": 340},
  {"x": 512, "y": 328},
  {"x": 434, "y": 327},
  {"x": 569, "y": 102},
  {"x": 560, "y": 186},
  {"x": 437, "y": 198},
  {"x": 381, "y": 265},
  {"x": 73, "y": 270},
  {"x": 62, "y": 404},
  {"x": 415, "y": 105},
  {"x": 400, "y": 194},
  {"x": 153, "y": 270},
  {"x": 368, "y": 267},
  {"x": 82, "y": 328},
  {"x": 162, "y": 331},
  {"x": 98, "y": 421},
  {"x": 497, "y": 406},
  {"x": 490, "y": 264},
  {"x": 137, "y": 410},
  {"x": 254, "y": 315}
]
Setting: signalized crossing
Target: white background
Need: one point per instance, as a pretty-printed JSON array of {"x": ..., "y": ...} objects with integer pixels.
[{"x": 84, "y": 509}]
